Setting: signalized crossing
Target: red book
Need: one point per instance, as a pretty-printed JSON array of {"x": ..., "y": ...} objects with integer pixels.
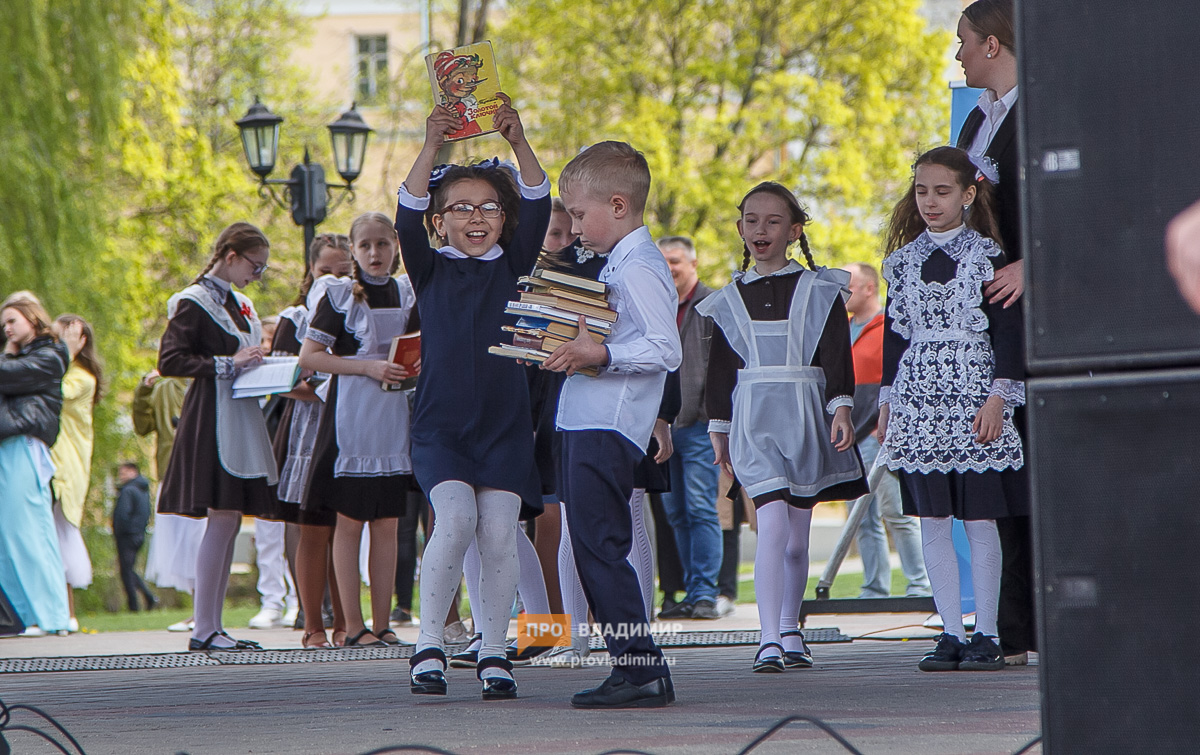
[{"x": 406, "y": 352}]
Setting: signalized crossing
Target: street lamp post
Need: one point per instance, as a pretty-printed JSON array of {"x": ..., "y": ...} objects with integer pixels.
[{"x": 305, "y": 193}]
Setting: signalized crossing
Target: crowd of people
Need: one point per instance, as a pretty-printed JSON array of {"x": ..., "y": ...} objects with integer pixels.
[{"x": 756, "y": 401}]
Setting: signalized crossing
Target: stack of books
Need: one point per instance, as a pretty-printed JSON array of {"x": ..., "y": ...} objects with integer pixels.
[{"x": 549, "y": 308}]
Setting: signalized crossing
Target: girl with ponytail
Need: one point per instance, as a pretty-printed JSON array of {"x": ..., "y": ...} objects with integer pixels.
[
  {"x": 779, "y": 392},
  {"x": 222, "y": 466}
]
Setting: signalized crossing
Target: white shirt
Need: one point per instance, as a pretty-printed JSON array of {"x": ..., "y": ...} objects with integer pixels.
[
  {"x": 994, "y": 112},
  {"x": 643, "y": 347}
]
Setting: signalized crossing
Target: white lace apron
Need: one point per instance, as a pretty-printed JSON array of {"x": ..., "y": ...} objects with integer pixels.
[
  {"x": 243, "y": 446},
  {"x": 779, "y": 435}
]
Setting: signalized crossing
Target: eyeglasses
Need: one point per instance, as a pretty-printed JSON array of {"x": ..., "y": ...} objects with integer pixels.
[
  {"x": 254, "y": 269},
  {"x": 465, "y": 210}
]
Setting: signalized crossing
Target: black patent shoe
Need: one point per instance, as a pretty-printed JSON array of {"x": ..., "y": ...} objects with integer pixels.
[
  {"x": 497, "y": 687},
  {"x": 797, "y": 658},
  {"x": 981, "y": 654},
  {"x": 615, "y": 692},
  {"x": 946, "y": 656},
  {"x": 196, "y": 646},
  {"x": 468, "y": 657},
  {"x": 428, "y": 682},
  {"x": 771, "y": 665}
]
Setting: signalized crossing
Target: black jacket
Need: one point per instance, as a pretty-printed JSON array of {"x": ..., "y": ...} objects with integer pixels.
[
  {"x": 31, "y": 390},
  {"x": 1003, "y": 150},
  {"x": 131, "y": 513}
]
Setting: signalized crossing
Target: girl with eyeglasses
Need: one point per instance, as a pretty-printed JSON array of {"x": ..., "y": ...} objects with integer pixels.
[
  {"x": 472, "y": 436},
  {"x": 222, "y": 466}
]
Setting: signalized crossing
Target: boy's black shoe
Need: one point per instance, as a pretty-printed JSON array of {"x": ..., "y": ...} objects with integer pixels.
[
  {"x": 981, "y": 654},
  {"x": 615, "y": 692},
  {"x": 946, "y": 656}
]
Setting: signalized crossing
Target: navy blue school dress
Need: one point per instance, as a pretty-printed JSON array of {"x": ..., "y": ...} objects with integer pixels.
[{"x": 471, "y": 416}]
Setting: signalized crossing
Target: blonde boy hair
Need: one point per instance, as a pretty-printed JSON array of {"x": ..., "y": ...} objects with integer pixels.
[{"x": 609, "y": 168}]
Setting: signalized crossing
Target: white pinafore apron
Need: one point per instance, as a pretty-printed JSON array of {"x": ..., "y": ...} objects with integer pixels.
[
  {"x": 371, "y": 423},
  {"x": 243, "y": 445},
  {"x": 779, "y": 435}
]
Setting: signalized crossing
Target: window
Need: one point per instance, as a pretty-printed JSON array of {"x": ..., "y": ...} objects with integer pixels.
[{"x": 371, "y": 67}]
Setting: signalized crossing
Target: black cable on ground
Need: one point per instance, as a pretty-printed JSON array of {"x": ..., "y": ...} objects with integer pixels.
[
  {"x": 1029, "y": 745},
  {"x": 808, "y": 719},
  {"x": 6, "y": 716}
]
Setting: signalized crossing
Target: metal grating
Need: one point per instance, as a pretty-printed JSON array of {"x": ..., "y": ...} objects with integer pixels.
[{"x": 273, "y": 657}]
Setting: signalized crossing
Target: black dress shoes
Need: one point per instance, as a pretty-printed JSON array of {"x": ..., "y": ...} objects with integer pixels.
[
  {"x": 496, "y": 687},
  {"x": 427, "y": 682},
  {"x": 615, "y": 692}
]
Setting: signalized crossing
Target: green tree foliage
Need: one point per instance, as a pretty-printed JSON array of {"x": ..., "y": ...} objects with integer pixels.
[{"x": 829, "y": 97}]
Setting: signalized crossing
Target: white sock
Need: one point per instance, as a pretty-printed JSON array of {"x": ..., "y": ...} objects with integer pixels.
[
  {"x": 531, "y": 584},
  {"x": 212, "y": 574},
  {"x": 941, "y": 563},
  {"x": 774, "y": 532},
  {"x": 795, "y": 575},
  {"x": 641, "y": 554},
  {"x": 496, "y": 533},
  {"x": 574, "y": 600},
  {"x": 986, "y": 563},
  {"x": 455, "y": 519}
]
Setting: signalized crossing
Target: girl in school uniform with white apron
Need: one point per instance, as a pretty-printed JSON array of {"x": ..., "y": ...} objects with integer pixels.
[
  {"x": 222, "y": 466},
  {"x": 779, "y": 392},
  {"x": 328, "y": 259},
  {"x": 361, "y": 468}
]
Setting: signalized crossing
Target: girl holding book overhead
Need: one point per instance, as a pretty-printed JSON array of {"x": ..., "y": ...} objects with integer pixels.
[
  {"x": 779, "y": 392},
  {"x": 952, "y": 375},
  {"x": 361, "y": 469},
  {"x": 222, "y": 466},
  {"x": 329, "y": 258},
  {"x": 472, "y": 431}
]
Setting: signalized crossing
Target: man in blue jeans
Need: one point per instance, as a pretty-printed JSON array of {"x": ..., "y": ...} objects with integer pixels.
[{"x": 691, "y": 506}]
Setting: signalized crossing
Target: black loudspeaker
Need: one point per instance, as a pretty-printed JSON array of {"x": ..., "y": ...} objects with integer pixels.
[
  {"x": 10, "y": 623},
  {"x": 1116, "y": 494},
  {"x": 1110, "y": 151}
]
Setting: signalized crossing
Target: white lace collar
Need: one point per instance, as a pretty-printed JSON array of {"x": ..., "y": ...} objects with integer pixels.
[
  {"x": 494, "y": 253},
  {"x": 956, "y": 243},
  {"x": 374, "y": 280},
  {"x": 752, "y": 274}
]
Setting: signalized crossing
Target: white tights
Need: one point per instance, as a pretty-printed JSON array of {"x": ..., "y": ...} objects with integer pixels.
[
  {"x": 213, "y": 559},
  {"x": 942, "y": 565},
  {"x": 531, "y": 584},
  {"x": 641, "y": 557},
  {"x": 781, "y": 572},
  {"x": 462, "y": 513}
]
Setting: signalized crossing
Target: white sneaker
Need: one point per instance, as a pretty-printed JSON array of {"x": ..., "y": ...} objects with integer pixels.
[
  {"x": 182, "y": 626},
  {"x": 725, "y": 606},
  {"x": 267, "y": 618},
  {"x": 73, "y": 625},
  {"x": 34, "y": 631},
  {"x": 289, "y": 616},
  {"x": 569, "y": 656},
  {"x": 456, "y": 633}
]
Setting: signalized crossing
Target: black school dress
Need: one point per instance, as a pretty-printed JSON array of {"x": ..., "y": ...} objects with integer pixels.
[
  {"x": 195, "y": 479},
  {"x": 471, "y": 415},
  {"x": 343, "y": 325}
]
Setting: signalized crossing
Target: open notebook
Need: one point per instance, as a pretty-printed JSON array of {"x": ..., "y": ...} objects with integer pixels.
[{"x": 273, "y": 375}]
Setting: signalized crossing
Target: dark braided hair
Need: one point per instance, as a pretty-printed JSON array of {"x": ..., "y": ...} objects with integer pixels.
[
  {"x": 797, "y": 212},
  {"x": 320, "y": 242},
  {"x": 238, "y": 238}
]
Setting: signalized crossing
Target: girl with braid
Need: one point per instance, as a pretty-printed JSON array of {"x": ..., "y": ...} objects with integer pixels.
[{"x": 779, "y": 392}]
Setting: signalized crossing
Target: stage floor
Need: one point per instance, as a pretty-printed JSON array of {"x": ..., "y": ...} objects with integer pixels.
[{"x": 869, "y": 691}]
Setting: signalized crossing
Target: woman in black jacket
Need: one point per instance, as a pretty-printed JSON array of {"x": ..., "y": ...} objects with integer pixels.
[{"x": 31, "y": 372}]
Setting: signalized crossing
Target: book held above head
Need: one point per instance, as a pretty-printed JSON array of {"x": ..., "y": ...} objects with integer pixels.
[{"x": 465, "y": 80}]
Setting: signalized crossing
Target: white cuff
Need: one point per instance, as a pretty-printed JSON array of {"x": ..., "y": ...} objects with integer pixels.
[
  {"x": 840, "y": 401},
  {"x": 1012, "y": 391},
  {"x": 320, "y": 337},
  {"x": 531, "y": 192},
  {"x": 225, "y": 368},
  {"x": 408, "y": 201},
  {"x": 719, "y": 426},
  {"x": 885, "y": 394}
]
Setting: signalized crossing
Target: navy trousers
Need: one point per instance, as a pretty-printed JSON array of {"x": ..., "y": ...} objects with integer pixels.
[{"x": 595, "y": 482}]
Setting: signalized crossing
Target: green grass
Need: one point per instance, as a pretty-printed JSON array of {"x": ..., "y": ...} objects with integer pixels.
[
  {"x": 844, "y": 585},
  {"x": 143, "y": 621}
]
